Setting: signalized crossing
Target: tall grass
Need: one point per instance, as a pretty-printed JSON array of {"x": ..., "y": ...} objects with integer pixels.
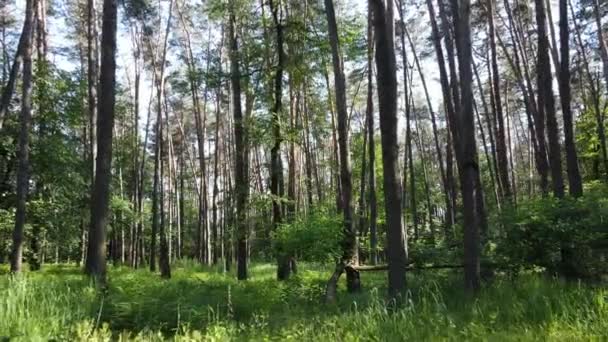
[{"x": 201, "y": 303}]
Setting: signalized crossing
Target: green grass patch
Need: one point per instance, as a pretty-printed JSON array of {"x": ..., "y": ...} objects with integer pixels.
[{"x": 201, "y": 303}]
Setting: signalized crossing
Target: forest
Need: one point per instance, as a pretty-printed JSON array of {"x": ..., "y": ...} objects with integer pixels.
[{"x": 299, "y": 170}]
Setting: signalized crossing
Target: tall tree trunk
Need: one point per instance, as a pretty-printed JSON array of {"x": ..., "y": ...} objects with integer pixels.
[
  {"x": 9, "y": 87},
  {"x": 349, "y": 243},
  {"x": 574, "y": 177},
  {"x": 96, "y": 256},
  {"x": 469, "y": 166},
  {"x": 25, "y": 119},
  {"x": 163, "y": 255},
  {"x": 336, "y": 164},
  {"x": 241, "y": 178},
  {"x": 92, "y": 82},
  {"x": 362, "y": 206},
  {"x": 546, "y": 101},
  {"x": 387, "y": 94},
  {"x": 216, "y": 155},
  {"x": 369, "y": 114},
  {"x": 501, "y": 146},
  {"x": 448, "y": 101},
  {"x": 276, "y": 164}
]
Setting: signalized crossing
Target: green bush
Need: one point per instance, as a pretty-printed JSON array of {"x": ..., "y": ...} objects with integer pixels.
[
  {"x": 314, "y": 238},
  {"x": 567, "y": 236}
]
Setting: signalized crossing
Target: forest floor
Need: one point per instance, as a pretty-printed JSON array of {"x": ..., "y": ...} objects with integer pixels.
[{"x": 201, "y": 303}]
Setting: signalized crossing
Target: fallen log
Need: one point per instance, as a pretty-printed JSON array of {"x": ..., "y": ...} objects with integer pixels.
[{"x": 414, "y": 267}]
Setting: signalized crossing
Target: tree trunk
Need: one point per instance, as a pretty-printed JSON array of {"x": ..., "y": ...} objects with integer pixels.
[
  {"x": 163, "y": 256},
  {"x": 96, "y": 256},
  {"x": 276, "y": 164},
  {"x": 501, "y": 146},
  {"x": 240, "y": 173},
  {"x": 92, "y": 82},
  {"x": 25, "y": 119},
  {"x": 369, "y": 113},
  {"x": 574, "y": 177},
  {"x": 448, "y": 101},
  {"x": 387, "y": 95},
  {"x": 9, "y": 87},
  {"x": 546, "y": 101},
  {"x": 349, "y": 243},
  {"x": 469, "y": 166}
]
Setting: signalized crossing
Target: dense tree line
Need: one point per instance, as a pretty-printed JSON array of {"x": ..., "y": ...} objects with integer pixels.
[{"x": 145, "y": 132}]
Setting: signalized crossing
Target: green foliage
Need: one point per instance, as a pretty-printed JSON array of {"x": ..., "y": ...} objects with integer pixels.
[
  {"x": 315, "y": 238},
  {"x": 204, "y": 304},
  {"x": 588, "y": 142},
  {"x": 568, "y": 236}
]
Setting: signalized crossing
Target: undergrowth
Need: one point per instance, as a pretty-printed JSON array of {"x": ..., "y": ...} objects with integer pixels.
[{"x": 201, "y": 303}]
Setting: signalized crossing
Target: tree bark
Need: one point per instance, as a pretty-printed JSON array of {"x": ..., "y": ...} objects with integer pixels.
[
  {"x": 25, "y": 119},
  {"x": 546, "y": 101},
  {"x": 501, "y": 146},
  {"x": 92, "y": 82},
  {"x": 469, "y": 166},
  {"x": 9, "y": 87},
  {"x": 276, "y": 164},
  {"x": 386, "y": 80},
  {"x": 241, "y": 178},
  {"x": 349, "y": 243},
  {"x": 96, "y": 256},
  {"x": 369, "y": 114},
  {"x": 574, "y": 177}
]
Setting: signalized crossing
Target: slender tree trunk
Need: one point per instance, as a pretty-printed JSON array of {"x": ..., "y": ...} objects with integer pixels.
[
  {"x": 335, "y": 150},
  {"x": 469, "y": 166},
  {"x": 276, "y": 164},
  {"x": 163, "y": 256},
  {"x": 96, "y": 256},
  {"x": 369, "y": 114},
  {"x": 362, "y": 206},
  {"x": 501, "y": 146},
  {"x": 349, "y": 243},
  {"x": 92, "y": 82},
  {"x": 450, "y": 114},
  {"x": 9, "y": 87},
  {"x": 574, "y": 177},
  {"x": 240, "y": 174},
  {"x": 216, "y": 156},
  {"x": 546, "y": 101},
  {"x": 387, "y": 94},
  {"x": 25, "y": 119}
]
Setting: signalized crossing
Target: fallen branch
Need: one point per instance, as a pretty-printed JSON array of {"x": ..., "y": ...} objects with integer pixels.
[{"x": 414, "y": 267}]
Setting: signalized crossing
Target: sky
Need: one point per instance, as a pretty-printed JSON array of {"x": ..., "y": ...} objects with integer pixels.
[{"x": 420, "y": 31}]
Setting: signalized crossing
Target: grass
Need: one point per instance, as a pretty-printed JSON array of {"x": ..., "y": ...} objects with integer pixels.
[{"x": 201, "y": 303}]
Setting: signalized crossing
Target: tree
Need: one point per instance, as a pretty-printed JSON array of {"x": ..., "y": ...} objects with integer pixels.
[
  {"x": 369, "y": 115},
  {"x": 349, "y": 244},
  {"x": 25, "y": 119},
  {"x": 92, "y": 81},
  {"x": 546, "y": 101},
  {"x": 9, "y": 87},
  {"x": 501, "y": 145},
  {"x": 96, "y": 251},
  {"x": 469, "y": 165},
  {"x": 241, "y": 178},
  {"x": 386, "y": 81},
  {"x": 574, "y": 177},
  {"x": 276, "y": 164}
]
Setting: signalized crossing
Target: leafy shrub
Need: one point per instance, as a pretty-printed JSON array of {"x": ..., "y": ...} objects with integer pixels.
[
  {"x": 313, "y": 238},
  {"x": 567, "y": 236}
]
